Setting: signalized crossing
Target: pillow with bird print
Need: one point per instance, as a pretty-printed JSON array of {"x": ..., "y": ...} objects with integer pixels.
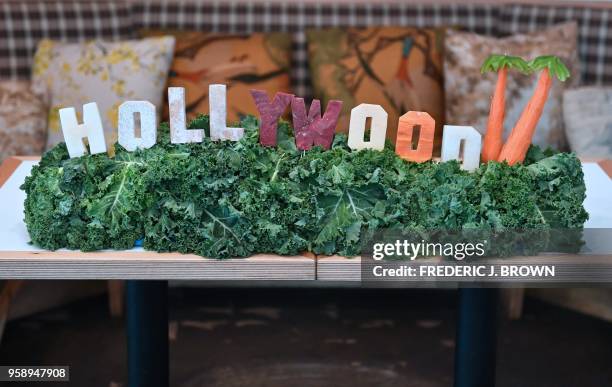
[
  {"x": 242, "y": 62},
  {"x": 399, "y": 68}
]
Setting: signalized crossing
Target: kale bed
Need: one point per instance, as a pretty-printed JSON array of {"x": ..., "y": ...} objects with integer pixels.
[{"x": 235, "y": 199}]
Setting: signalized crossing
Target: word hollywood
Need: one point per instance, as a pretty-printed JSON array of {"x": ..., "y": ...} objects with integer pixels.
[{"x": 311, "y": 129}]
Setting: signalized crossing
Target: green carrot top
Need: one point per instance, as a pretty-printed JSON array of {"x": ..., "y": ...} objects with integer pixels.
[
  {"x": 554, "y": 65},
  {"x": 496, "y": 62}
]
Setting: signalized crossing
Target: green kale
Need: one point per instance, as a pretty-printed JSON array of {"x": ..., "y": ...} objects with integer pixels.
[{"x": 234, "y": 199}]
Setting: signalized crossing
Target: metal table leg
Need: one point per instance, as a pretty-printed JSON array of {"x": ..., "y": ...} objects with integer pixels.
[
  {"x": 476, "y": 338},
  {"x": 147, "y": 333}
]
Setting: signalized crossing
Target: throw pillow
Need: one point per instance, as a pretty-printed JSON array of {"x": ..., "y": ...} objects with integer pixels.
[
  {"x": 468, "y": 92},
  {"x": 588, "y": 121},
  {"x": 23, "y": 120},
  {"x": 395, "y": 67},
  {"x": 109, "y": 73},
  {"x": 242, "y": 62}
]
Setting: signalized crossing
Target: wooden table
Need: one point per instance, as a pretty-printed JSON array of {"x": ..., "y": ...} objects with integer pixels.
[{"x": 148, "y": 273}]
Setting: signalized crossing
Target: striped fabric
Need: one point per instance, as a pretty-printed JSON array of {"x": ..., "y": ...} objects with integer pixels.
[
  {"x": 594, "y": 34},
  {"x": 23, "y": 24}
]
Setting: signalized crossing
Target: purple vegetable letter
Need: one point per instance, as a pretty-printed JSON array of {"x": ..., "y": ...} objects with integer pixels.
[
  {"x": 269, "y": 113},
  {"x": 312, "y": 129}
]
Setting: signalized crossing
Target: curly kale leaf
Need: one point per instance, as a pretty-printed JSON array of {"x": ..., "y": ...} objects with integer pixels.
[{"x": 341, "y": 214}]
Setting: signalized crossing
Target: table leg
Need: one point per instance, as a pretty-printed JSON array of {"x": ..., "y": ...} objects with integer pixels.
[
  {"x": 147, "y": 333},
  {"x": 116, "y": 299},
  {"x": 476, "y": 338}
]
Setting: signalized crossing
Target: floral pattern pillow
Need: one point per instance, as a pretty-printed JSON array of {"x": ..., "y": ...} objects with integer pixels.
[
  {"x": 108, "y": 73},
  {"x": 23, "y": 120},
  {"x": 468, "y": 92}
]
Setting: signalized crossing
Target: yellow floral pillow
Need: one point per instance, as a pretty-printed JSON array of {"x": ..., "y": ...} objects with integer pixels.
[{"x": 108, "y": 73}]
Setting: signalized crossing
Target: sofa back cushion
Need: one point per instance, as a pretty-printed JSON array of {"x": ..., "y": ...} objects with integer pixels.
[
  {"x": 23, "y": 119},
  {"x": 588, "y": 121}
]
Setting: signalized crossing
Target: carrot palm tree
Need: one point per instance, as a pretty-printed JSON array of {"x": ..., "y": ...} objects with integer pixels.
[
  {"x": 500, "y": 64},
  {"x": 515, "y": 148}
]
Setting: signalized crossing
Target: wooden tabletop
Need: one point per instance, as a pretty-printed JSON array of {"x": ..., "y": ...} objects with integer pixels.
[
  {"x": 152, "y": 265},
  {"x": 140, "y": 264}
]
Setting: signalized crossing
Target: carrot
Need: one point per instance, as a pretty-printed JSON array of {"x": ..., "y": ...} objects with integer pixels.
[
  {"x": 495, "y": 126},
  {"x": 516, "y": 147}
]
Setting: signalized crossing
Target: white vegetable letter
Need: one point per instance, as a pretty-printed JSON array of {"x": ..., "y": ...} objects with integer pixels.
[
  {"x": 217, "y": 101},
  {"x": 75, "y": 132},
  {"x": 451, "y": 143},
  {"x": 378, "y": 130},
  {"x": 127, "y": 123},
  {"x": 179, "y": 134}
]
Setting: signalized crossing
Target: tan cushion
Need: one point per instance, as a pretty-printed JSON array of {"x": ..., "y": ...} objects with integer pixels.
[
  {"x": 588, "y": 121},
  {"x": 23, "y": 120}
]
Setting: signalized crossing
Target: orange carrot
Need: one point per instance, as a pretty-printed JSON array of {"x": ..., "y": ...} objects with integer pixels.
[
  {"x": 515, "y": 148},
  {"x": 495, "y": 127}
]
